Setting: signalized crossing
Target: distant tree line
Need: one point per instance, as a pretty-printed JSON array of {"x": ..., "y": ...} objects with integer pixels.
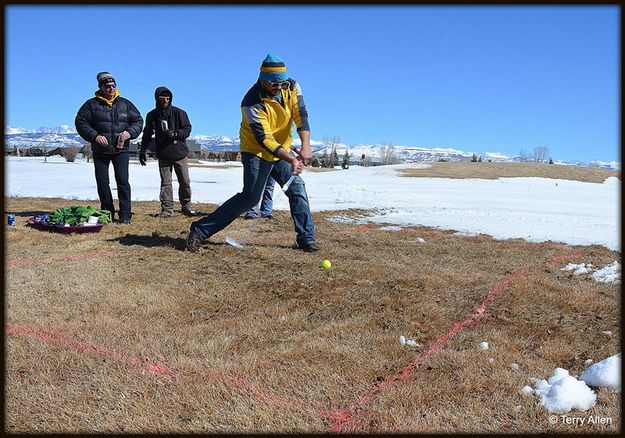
[
  {"x": 328, "y": 156},
  {"x": 69, "y": 152},
  {"x": 540, "y": 154},
  {"x": 219, "y": 155},
  {"x": 475, "y": 159}
]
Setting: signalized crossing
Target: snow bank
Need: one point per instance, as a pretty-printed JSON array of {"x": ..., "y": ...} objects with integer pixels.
[{"x": 606, "y": 373}]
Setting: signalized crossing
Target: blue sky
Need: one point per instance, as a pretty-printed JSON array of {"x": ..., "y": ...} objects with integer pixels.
[{"x": 475, "y": 78}]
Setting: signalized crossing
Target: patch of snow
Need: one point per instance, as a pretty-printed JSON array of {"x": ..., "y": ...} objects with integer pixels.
[
  {"x": 578, "y": 269},
  {"x": 527, "y": 390},
  {"x": 606, "y": 373},
  {"x": 466, "y": 234},
  {"x": 391, "y": 228},
  {"x": 575, "y": 213},
  {"x": 609, "y": 274},
  {"x": 563, "y": 392},
  {"x": 410, "y": 342}
]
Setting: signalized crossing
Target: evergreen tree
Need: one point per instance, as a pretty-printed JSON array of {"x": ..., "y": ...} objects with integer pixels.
[
  {"x": 474, "y": 158},
  {"x": 345, "y": 164},
  {"x": 325, "y": 160},
  {"x": 334, "y": 158}
]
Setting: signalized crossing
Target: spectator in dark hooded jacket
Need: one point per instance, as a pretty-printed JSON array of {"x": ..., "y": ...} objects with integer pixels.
[
  {"x": 170, "y": 126},
  {"x": 108, "y": 121}
]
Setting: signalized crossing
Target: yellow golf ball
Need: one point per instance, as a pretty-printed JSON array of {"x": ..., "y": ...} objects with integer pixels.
[{"x": 326, "y": 264}]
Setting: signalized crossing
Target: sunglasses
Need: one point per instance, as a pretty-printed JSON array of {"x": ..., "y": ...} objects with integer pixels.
[
  {"x": 110, "y": 86},
  {"x": 281, "y": 84}
]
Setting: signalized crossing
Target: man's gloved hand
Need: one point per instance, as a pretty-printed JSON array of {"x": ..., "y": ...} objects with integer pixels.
[
  {"x": 171, "y": 134},
  {"x": 142, "y": 158}
]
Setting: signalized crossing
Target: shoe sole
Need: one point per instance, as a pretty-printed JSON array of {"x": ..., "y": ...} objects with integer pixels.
[{"x": 305, "y": 249}]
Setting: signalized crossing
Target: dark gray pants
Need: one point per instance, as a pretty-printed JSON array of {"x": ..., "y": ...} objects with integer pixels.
[
  {"x": 181, "y": 167},
  {"x": 120, "y": 166}
]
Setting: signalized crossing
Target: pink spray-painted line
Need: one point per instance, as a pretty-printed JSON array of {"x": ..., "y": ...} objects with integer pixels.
[
  {"x": 22, "y": 262},
  {"x": 140, "y": 365},
  {"x": 558, "y": 259},
  {"x": 245, "y": 386},
  {"x": 143, "y": 365},
  {"x": 343, "y": 420},
  {"x": 71, "y": 258}
]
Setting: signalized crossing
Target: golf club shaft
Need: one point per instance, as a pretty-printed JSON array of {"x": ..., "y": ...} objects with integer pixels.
[{"x": 290, "y": 180}]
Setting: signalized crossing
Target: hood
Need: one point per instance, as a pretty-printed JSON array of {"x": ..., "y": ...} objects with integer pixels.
[{"x": 159, "y": 91}]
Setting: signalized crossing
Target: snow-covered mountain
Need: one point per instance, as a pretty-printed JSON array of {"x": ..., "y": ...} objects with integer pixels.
[
  {"x": 60, "y": 136},
  {"x": 65, "y": 135},
  {"x": 11, "y": 130},
  {"x": 613, "y": 165},
  {"x": 40, "y": 140},
  {"x": 63, "y": 129},
  {"x": 217, "y": 142}
]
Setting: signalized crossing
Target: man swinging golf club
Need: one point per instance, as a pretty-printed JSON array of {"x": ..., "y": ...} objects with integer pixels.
[{"x": 268, "y": 110}]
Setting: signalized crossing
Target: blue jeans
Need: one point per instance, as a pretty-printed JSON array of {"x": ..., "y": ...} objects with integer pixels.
[
  {"x": 255, "y": 174},
  {"x": 266, "y": 204}
]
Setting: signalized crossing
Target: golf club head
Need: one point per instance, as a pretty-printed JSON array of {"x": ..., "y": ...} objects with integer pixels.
[
  {"x": 232, "y": 242},
  {"x": 288, "y": 184}
]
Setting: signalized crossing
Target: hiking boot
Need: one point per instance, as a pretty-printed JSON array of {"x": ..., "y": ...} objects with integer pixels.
[
  {"x": 124, "y": 220},
  {"x": 188, "y": 211},
  {"x": 194, "y": 241},
  {"x": 250, "y": 215},
  {"x": 165, "y": 213},
  {"x": 267, "y": 217},
  {"x": 307, "y": 246}
]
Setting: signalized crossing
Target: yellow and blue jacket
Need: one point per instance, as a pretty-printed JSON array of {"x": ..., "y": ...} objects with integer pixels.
[{"x": 267, "y": 121}]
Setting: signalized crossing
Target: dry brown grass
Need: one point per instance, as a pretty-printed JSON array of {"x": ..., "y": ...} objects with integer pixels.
[
  {"x": 458, "y": 170},
  {"x": 122, "y": 331}
]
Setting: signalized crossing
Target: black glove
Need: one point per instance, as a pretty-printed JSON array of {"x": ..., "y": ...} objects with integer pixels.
[
  {"x": 171, "y": 134},
  {"x": 142, "y": 158}
]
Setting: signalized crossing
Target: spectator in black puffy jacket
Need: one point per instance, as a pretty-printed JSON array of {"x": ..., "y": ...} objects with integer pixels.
[
  {"x": 170, "y": 126},
  {"x": 108, "y": 121}
]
